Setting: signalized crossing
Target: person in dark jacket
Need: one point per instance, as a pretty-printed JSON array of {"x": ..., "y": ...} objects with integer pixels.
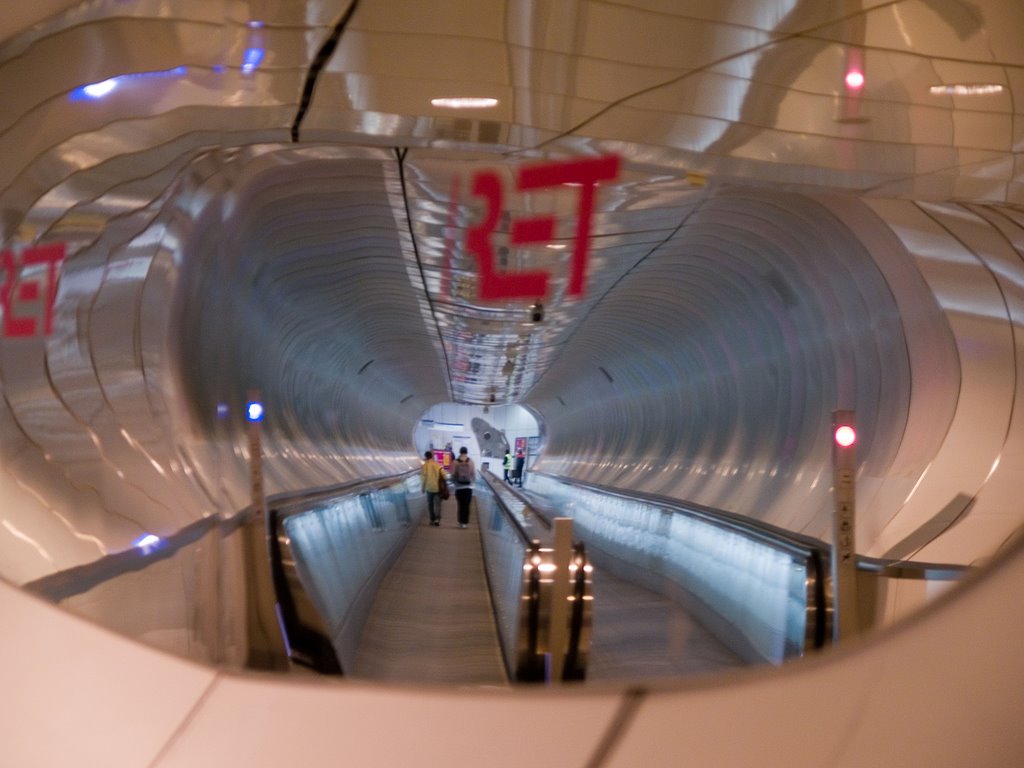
[
  {"x": 463, "y": 475},
  {"x": 520, "y": 463}
]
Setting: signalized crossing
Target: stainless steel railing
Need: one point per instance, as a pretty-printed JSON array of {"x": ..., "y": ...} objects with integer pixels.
[
  {"x": 541, "y": 590},
  {"x": 762, "y": 590}
]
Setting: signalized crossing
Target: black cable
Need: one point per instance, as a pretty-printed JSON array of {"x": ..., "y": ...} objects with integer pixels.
[
  {"x": 325, "y": 52},
  {"x": 400, "y": 153}
]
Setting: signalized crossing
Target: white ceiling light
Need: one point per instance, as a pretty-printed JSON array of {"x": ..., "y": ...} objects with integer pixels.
[
  {"x": 465, "y": 102},
  {"x": 966, "y": 89}
]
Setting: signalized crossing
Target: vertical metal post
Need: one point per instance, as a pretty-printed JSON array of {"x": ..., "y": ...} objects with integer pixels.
[
  {"x": 267, "y": 645},
  {"x": 558, "y": 627},
  {"x": 845, "y": 622},
  {"x": 256, "y": 460}
]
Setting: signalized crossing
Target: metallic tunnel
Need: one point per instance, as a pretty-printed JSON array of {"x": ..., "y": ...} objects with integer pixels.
[{"x": 204, "y": 199}]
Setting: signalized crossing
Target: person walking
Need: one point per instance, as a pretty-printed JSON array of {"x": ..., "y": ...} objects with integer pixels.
[
  {"x": 508, "y": 465},
  {"x": 520, "y": 464},
  {"x": 464, "y": 474},
  {"x": 430, "y": 483}
]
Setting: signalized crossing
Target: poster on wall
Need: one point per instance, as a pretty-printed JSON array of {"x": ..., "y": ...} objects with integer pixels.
[
  {"x": 520, "y": 445},
  {"x": 444, "y": 458}
]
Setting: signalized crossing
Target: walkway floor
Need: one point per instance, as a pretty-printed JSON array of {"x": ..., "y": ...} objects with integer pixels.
[
  {"x": 432, "y": 621},
  {"x": 637, "y": 634}
]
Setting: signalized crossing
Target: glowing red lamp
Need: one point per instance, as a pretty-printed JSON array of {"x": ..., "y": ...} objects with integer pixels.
[{"x": 845, "y": 435}]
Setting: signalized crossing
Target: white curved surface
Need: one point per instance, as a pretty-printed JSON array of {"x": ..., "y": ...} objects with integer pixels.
[{"x": 95, "y": 699}]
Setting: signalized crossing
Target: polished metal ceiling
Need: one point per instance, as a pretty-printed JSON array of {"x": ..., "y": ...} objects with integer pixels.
[
  {"x": 691, "y": 95},
  {"x": 261, "y": 195}
]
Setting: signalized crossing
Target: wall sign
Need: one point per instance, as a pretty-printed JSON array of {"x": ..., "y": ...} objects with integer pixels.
[
  {"x": 584, "y": 176},
  {"x": 29, "y": 289}
]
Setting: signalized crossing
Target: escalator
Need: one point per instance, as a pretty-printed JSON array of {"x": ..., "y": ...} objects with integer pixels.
[{"x": 398, "y": 599}]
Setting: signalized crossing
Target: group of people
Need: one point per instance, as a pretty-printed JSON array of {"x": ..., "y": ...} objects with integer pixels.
[
  {"x": 514, "y": 468},
  {"x": 433, "y": 478}
]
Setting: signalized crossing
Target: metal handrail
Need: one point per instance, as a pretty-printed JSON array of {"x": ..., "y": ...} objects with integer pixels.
[
  {"x": 306, "y": 640},
  {"x": 781, "y": 538},
  {"x": 537, "y": 595},
  {"x": 814, "y": 553},
  {"x": 575, "y": 658},
  {"x": 523, "y": 533},
  {"x": 903, "y": 569}
]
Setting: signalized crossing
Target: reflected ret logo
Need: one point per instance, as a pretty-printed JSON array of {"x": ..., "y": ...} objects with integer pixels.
[
  {"x": 28, "y": 290},
  {"x": 584, "y": 176}
]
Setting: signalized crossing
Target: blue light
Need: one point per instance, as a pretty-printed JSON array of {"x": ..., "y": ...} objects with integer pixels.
[
  {"x": 254, "y": 411},
  {"x": 99, "y": 90},
  {"x": 253, "y": 58},
  {"x": 93, "y": 91},
  {"x": 147, "y": 542},
  {"x": 223, "y": 410}
]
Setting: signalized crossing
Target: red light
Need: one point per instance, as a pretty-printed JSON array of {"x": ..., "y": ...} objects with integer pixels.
[
  {"x": 845, "y": 435},
  {"x": 854, "y": 80}
]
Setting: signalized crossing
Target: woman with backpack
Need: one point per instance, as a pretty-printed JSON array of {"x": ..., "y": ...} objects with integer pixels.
[{"x": 463, "y": 474}]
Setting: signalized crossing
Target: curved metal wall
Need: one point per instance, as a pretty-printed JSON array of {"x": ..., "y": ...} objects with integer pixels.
[
  {"x": 715, "y": 365},
  {"x": 709, "y": 374}
]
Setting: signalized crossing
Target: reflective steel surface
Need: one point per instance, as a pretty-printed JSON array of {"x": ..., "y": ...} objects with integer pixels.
[{"x": 261, "y": 195}]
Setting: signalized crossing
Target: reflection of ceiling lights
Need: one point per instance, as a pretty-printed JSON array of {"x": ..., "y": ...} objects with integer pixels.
[
  {"x": 108, "y": 86},
  {"x": 253, "y": 57},
  {"x": 465, "y": 102},
  {"x": 966, "y": 89},
  {"x": 556, "y": 246}
]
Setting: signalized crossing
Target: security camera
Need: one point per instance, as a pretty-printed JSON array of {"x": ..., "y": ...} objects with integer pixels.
[{"x": 537, "y": 312}]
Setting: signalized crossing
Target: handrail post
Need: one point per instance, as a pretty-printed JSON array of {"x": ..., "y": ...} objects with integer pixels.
[
  {"x": 558, "y": 626},
  {"x": 844, "y": 540},
  {"x": 268, "y": 648}
]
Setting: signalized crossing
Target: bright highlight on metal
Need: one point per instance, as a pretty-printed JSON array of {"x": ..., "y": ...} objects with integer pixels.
[
  {"x": 146, "y": 542},
  {"x": 966, "y": 89},
  {"x": 253, "y": 58},
  {"x": 254, "y": 411},
  {"x": 99, "y": 90},
  {"x": 465, "y": 102},
  {"x": 845, "y": 435},
  {"x": 103, "y": 88}
]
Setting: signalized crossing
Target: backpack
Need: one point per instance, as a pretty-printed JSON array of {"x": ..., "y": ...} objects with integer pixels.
[{"x": 463, "y": 472}]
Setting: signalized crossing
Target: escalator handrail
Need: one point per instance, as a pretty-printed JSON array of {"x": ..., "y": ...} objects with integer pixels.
[
  {"x": 780, "y": 538},
  {"x": 518, "y": 526},
  {"x": 816, "y": 555}
]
